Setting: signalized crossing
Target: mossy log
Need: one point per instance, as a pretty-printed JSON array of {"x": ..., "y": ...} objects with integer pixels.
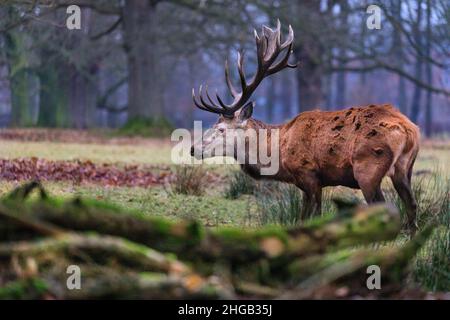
[
  {"x": 125, "y": 254},
  {"x": 190, "y": 240},
  {"x": 97, "y": 249},
  {"x": 110, "y": 283},
  {"x": 110, "y": 267},
  {"x": 348, "y": 268},
  {"x": 90, "y": 215}
]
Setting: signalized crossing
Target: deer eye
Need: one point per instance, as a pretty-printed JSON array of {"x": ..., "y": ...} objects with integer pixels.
[{"x": 221, "y": 130}]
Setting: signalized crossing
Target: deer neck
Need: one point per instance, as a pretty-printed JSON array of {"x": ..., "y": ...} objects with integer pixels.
[{"x": 265, "y": 133}]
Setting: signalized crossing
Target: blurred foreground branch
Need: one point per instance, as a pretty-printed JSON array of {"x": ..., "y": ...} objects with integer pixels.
[{"x": 125, "y": 254}]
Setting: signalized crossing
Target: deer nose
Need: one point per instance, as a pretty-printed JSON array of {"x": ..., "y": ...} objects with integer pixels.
[{"x": 192, "y": 151}]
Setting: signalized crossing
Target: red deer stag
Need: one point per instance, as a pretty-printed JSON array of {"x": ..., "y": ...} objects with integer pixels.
[{"x": 354, "y": 147}]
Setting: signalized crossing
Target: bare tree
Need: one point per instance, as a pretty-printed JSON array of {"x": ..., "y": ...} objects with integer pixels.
[
  {"x": 418, "y": 69},
  {"x": 428, "y": 71}
]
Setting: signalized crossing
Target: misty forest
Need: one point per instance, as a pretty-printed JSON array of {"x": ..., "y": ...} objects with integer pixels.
[{"x": 140, "y": 59}]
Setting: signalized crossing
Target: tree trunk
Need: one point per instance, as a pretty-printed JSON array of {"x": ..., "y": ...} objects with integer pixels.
[
  {"x": 416, "y": 101},
  {"x": 399, "y": 55},
  {"x": 362, "y": 39},
  {"x": 82, "y": 100},
  {"x": 309, "y": 81},
  {"x": 23, "y": 82},
  {"x": 429, "y": 75},
  {"x": 309, "y": 54},
  {"x": 341, "y": 84},
  {"x": 53, "y": 102},
  {"x": 144, "y": 95},
  {"x": 83, "y": 89}
]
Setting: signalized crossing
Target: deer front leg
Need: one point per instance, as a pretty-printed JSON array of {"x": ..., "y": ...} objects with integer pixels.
[{"x": 312, "y": 200}]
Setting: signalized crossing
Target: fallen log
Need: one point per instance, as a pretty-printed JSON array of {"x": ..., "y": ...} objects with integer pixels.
[
  {"x": 109, "y": 283},
  {"x": 112, "y": 284},
  {"x": 348, "y": 268},
  {"x": 97, "y": 249},
  {"x": 111, "y": 268},
  {"x": 125, "y": 254},
  {"x": 190, "y": 240}
]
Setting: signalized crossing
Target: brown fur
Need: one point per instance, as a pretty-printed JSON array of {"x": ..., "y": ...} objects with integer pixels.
[{"x": 354, "y": 147}]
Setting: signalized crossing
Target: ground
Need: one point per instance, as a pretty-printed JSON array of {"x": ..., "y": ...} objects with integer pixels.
[{"x": 155, "y": 155}]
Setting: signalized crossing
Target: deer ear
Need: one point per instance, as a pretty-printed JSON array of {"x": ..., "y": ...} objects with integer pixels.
[{"x": 246, "y": 111}]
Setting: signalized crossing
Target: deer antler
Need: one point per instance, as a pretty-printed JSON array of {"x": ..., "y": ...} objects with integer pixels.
[{"x": 268, "y": 48}]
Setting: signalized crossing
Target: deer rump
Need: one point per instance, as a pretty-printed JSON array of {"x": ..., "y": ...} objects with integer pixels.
[{"x": 349, "y": 147}]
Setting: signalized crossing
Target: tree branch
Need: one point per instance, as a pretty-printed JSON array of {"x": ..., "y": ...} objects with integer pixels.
[
  {"x": 109, "y": 30},
  {"x": 382, "y": 65}
]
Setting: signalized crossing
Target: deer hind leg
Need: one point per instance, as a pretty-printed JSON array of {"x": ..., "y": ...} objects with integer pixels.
[
  {"x": 401, "y": 179},
  {"x": 379, "y": 197},
  {"x": 369, "y": 174},
  {"x": 312, "y": 204}
]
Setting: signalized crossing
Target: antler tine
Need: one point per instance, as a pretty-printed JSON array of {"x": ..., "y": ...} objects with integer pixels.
[
  {"x": 278, "y": 35},
  {"x": 223, "y": 105},
  {"x": 203, "y": 104},
  {"x": 198, "y": 105},
  {"x": 209, "y": 98},
  {"x": 283, "y": 63},
  {"x": 272, "y": 48},
  {"x": 255, "y": 33},
  {"x": 240, "y": 61},
  {"x": 289, "y": 39},
  {"x": 230, "y": 86},
  {"x": 202, "y": 100},
  {"x": 259, "y": 48}
]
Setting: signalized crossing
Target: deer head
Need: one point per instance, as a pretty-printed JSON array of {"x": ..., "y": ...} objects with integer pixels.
[{"x": 236, "y": 114}]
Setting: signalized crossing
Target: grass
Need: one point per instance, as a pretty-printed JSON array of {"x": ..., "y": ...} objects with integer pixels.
[
  {"x": 212, "y": 209},
  {"x": 239, "y": 184},
  {"x": 431, "y": 191},
  {"x": 151, "y": 152},
  {"x": 189, "y": 180},
  {"x": 146, "y": 127},
  {"x": 279, "y": 203},
  {"x": 432, "y": 266}
]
